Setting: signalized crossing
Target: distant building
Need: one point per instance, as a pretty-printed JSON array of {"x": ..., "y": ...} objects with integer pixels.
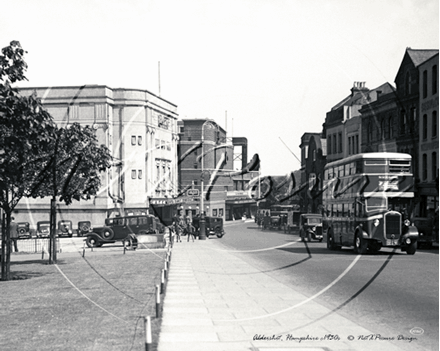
[
  {"x": 140, "y": 130},
  {"x": 226, "y": 193}
]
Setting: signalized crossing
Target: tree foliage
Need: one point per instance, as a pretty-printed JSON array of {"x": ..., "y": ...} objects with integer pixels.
[{"x": 37, "y": 158}]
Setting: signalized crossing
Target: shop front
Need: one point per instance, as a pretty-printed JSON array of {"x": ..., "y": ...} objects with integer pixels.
[{"x": 239, "y": 204}]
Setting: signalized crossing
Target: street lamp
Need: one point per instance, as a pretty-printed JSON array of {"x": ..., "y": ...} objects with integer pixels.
[{"x": 202, "y": 235}]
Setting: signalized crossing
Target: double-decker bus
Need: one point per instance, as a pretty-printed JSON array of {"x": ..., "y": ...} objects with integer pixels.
[{"x": 367, "y": 201}]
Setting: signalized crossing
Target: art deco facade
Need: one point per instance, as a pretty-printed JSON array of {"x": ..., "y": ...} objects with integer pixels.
[{"x": 140, "y": 130}]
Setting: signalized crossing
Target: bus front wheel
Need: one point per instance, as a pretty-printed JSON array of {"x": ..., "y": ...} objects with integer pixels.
[
  {"x": 411, "y": 248},
  {"x": 360, "y": 244}
]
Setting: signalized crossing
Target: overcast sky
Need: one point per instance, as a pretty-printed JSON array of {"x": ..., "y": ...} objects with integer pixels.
[{"x": 268, "y": 70}]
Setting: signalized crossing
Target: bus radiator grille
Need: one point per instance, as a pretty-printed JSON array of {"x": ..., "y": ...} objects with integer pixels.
[{"x": 392, "y": 225}]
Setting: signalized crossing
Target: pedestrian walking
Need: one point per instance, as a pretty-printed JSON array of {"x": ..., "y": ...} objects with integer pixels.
[
  {"x": 190, "y": 229},
  {"x": 14, "y": 233},
  {"x": 176, "y": 228}
]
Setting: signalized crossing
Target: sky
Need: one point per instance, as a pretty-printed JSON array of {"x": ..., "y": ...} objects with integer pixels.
[{"x": 267, "y": 70}]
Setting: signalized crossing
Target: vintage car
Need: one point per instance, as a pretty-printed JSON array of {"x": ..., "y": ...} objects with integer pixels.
[
  {"x": 84, "y": 227},
  {"x": 310, "y": 227},
  {"x": 64, "y": 228},
  {"x": 23, "y": 230},
  {"x": 213, "y": 226},
  {"x": 425, "y": 226},
  {"x": 123, "y": 229},
  {"x": 43, "y": 229}
]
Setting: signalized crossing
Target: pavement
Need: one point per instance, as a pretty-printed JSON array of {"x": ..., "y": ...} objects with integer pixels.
[{"x": 214, "y": 301}]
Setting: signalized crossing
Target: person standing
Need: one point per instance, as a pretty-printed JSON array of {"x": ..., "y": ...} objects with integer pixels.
[
  {"x": 14, "y": 233},
  {"x": 190, "y": 228}
]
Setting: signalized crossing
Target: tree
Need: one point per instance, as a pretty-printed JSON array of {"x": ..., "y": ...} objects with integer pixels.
[
  {"x": 26, "y": 132},
  {"x": 38, "y": 159}
]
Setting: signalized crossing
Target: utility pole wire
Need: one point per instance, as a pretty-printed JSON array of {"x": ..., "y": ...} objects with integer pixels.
[{"x": 290, "y": 150}]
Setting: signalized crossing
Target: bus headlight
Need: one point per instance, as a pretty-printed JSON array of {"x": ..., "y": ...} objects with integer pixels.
[
  {"x": 314, "y": 228},
  {"x": 376, "y": 222},
  {"x": 406, "y": 222},
  {"x": 408, "y": 241}
]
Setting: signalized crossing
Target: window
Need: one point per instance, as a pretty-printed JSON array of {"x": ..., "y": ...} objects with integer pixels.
[
  {"x": 425, "y": 84},
  {"x": 334, "y": 144},
  {"x": 402, "y": 121},
  {"x": 157, "y": 143},
  {"x": 407, "y": 83},
  {"x": 329, "y": 145},
  {"x": 390, "y": 127},
  {"x": 140, "y": 174},
  {"x": 434, "y": 124},
  {"x": 382, "y": 128},
  {"x": 133, "y": 140},
  {"x": 425, "y": 167},
  {"x": 434, "y": 79},
  {"x": 434, "y": 166},
  {"x": 133, "y": 174},
  {"x": 376, "y": 203},
  {"x": 425, "y": 126},
  {"x": 340, "y": 142},
  {"x": 357, "y": 143},
  {"x": 370, "y": 132},
  {"x": 139, "y": 140}
]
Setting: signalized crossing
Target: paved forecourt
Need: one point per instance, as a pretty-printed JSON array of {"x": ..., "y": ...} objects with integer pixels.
[{"x": 216, "y": 301}]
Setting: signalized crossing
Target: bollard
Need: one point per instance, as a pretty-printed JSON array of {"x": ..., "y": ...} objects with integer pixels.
[
  {"x": 42, "y": 253},
  {"x": 157, "y": 302},
  {"x": 162, "y": 282},
  {"x": 124, "y": 246},
  {"x": 148, "y": 338},
  {"x": 84, "y": 248}
]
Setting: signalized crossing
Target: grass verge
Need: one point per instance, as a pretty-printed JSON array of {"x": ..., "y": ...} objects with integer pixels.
[{"x": 92, "y": 303}]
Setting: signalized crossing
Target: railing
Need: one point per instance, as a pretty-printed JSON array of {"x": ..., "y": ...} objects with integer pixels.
[{"x": 35, "y": 245}]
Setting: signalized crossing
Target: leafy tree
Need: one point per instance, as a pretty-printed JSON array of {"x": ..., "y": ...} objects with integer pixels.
[
  {"x": 26, "y": 132},
  {"x": 38, "y": 159}
]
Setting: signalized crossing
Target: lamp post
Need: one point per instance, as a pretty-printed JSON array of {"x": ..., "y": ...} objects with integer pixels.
[{"x": 202, "y": 235}]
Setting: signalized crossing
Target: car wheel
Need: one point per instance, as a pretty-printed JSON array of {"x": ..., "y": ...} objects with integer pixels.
[
  {"x": 108, "y": 233},
  {"x": 92, "y": 242},
  {"x": 331, "y": 241},
  {"x": 374, "y": 247},
  {"x": 218, "y": 232},
  {"x": 411, "y": 248},
  {"x": 360, "y": 244}
]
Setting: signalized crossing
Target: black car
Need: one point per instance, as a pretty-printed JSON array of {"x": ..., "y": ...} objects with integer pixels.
[
  {"x": 23, "y": 230},
  {"x": 310, "y": 227},
  {"x": 65, "y": 228},
  {"x": 213, "y": 226},
  {"x": 123, "y": 229}
]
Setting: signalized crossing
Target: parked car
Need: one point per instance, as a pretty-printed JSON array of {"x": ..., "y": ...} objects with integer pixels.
[
  {"x": 425, "y": 226},
  {"x": 65, "y": 228},
  {"x": 310, "y": 227},
  {"x": 123, "y": 229},
  {"x": 213, "y": 226},
  {"x": 84, "y": 227},
  {"x": 43, "y": 229},
  {"x": 23, "y": 230}
]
